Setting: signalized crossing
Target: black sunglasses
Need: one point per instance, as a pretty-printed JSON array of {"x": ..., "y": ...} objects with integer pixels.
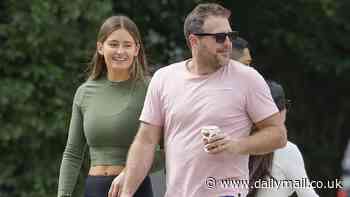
[{"x": 221, "y": 37}]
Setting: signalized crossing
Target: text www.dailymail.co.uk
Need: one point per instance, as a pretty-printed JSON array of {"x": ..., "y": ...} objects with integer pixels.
[{"x": 213, "y": 183}]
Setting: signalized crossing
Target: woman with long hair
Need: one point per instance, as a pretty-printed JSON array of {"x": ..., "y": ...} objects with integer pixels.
[
  {"x": 284, "y": 166},
  {"x": 106, "y": 109}
]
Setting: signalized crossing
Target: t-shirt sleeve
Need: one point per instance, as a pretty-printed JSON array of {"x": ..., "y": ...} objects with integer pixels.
[
  {"x": 260, "y": 104},
  {"x": 152, "y": 112},
  {"x": 294, "y": 169}
]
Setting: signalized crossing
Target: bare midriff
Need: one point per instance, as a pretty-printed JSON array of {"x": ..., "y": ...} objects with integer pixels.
[{"x": 106, "y": 170}]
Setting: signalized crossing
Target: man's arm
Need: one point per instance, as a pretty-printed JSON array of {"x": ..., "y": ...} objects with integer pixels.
[
  {"x": 271, "y": 134},
  {"x": 140, "y": 157}
]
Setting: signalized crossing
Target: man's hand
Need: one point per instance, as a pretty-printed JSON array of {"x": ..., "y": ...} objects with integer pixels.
[
  {"x": 220, "y": 143},
  {"x": 116, "y": 186}
]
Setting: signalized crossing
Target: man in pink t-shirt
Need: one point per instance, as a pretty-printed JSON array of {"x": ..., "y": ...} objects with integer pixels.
[{"x": 209, "y": 89}]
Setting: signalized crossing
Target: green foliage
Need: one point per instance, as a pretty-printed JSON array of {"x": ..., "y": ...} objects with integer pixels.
[
  {"x": 45, "y": 51},
  {"x": 303, "y": 44}
]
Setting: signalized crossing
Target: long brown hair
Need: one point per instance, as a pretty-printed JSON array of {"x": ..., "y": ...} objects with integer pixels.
[
  {"x": 260, "y": 166},
  {"x": 139, "y": 68}
]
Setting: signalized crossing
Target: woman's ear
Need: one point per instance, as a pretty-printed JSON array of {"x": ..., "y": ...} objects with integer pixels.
[
  {"x": 99, "y": 47},
  {"x": 137, "y": 50}
]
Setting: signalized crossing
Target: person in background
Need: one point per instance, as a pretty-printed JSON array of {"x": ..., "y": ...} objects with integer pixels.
[
  {"x": 241, "y": 52},
  {"x": 105, "y": 111},
  {"x": 283, "y": 164}
]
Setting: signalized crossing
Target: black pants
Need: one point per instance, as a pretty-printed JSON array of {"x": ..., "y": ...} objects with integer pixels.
[{"x": 98, "y": 186}]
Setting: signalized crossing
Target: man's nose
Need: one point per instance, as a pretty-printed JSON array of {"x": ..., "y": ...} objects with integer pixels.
[{"x": 228, "y": 42}]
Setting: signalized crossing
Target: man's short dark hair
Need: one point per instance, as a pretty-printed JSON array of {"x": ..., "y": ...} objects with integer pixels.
[
  {"x": 238, "y": 46},
  {"x": 195, "y": 19}
]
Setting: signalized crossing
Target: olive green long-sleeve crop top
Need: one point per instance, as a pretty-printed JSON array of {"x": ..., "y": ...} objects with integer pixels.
[{"x": 105, "y": 120}]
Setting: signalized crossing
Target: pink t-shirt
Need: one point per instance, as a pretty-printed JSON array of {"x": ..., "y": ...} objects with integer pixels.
[{"x": 231, "y": 98}]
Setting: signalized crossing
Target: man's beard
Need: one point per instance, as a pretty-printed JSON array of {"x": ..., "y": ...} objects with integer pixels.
[
  {"x": 223, "y": 59},
  {"x": 210, "y": 60}
]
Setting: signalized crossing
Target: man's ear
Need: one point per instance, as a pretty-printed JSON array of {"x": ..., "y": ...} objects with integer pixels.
[
  {"x": 193, "y": 40},
  {"x": 99, "y": 47}
]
